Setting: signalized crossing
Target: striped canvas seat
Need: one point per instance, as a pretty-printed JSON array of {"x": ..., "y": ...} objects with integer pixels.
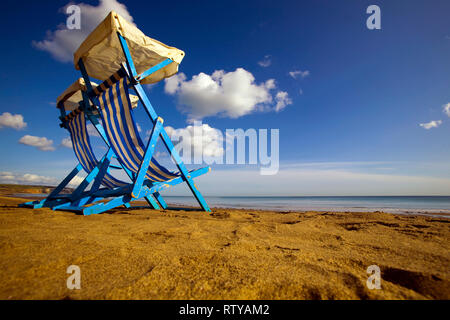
[
  {"x": 76, "y": 123},
  {"x": 120, "y": 128}
]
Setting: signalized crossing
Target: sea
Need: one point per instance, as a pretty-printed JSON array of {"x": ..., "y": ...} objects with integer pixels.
[
  {"x": 435, "y": 205},
  {"x": 438, "y": 206}
]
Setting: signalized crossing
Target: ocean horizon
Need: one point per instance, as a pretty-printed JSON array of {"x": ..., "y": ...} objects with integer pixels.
[
  {"x": 391, "y": 204},
  {"x": 438, "y": 206}
]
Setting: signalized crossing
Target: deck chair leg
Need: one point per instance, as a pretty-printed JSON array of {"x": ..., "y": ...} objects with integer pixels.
[
  {"x": 56, "y": 191},
  {"x": 198, "y": 195},
  {"x": 102, "y": 171},
  {"x": 169, "y": 145},
  {"x": 84, "y": 183},
  {"x": 152, "y": 202},
  {"x": 160, "y": 200},
  {"x": 103, "y": 167},
  {"x": 66, "y": 181},
  {"x": 96, "y": 174},
  {"x": 102, "y": 207},
  {"x": 81, "y": 201},
  {"x": 184, "y": 171},
  {"x": 137, "y": 187}
]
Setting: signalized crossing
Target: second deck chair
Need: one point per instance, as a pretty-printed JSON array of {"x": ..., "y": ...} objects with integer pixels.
[{"x": 96, "y": 171}]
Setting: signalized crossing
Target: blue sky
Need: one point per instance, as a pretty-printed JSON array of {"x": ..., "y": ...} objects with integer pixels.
[{"x": 354, "y": 98}]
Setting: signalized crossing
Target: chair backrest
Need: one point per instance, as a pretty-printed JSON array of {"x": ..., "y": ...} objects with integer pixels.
[
  {"x": 120, "y": 128},
  {"x": 76, "y": 123}
]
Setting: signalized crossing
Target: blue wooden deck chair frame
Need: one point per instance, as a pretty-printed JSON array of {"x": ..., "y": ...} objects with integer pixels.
[{"x": 141, "y": 185}]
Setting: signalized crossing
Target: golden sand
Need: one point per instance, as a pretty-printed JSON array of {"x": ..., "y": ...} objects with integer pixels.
[{"x": 229, "y": 254}]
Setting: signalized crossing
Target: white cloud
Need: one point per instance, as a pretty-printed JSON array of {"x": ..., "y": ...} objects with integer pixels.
[
  {"x": 42, "y": 143},
  {"x": 62, "y": 42},
  {"x": 67, "y": 142},
  {"x": 265, "y": 62},
  {"x": 34, "y": 178},
  {"x": 172, "y": 85},
  {"x": 138, "y": 127},
  {"x": 14, "y": 121},
  {"x": 27, "y": 178},
  {"x": 296, "y": 73},
  {"x": 431, "y": 124},
  {"x": 159, "y": 155},
  {"x": 75, "y": 182},
  {"x": 446, "y": 109},
  {"x": 300, "y": 91},
  {"x": 198, "y": 139},
  {"x": 229, "y": 94},
  {"x": 7, "y": 176},
  {"x": 282, "y": 99}
]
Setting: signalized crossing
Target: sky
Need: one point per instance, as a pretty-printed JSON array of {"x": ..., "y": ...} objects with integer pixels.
[{"x": 359, "y": 111}]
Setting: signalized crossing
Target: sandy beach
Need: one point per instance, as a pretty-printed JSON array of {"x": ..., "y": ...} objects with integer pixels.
[{"x": 229, "y": 254}]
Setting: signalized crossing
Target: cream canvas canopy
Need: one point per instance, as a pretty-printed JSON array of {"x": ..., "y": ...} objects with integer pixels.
[
  {"x": 102, "y": 53},
  {"x": 72, "y": 96}
]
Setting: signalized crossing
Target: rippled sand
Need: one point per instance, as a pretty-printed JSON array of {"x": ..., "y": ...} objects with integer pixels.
[{"x": 229, "y": 254}]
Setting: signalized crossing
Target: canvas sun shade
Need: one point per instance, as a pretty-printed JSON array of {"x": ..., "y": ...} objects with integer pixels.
[
  {"x": 102, "y": 53},
  {"x": 71, "y": 97}
]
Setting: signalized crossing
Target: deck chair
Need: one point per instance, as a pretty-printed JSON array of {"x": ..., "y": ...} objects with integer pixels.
[
  {"x": 106, "y": 55},
  {"x": 97, "y": 171}
]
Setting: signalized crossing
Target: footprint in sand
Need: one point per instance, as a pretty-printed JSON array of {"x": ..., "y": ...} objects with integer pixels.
[{"x": 220, "y": 215}]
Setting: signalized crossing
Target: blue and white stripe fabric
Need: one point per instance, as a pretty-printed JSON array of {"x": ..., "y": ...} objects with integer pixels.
[
  {"x": 83, "y": 150},
  {"x": 121, "y": 130}
]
